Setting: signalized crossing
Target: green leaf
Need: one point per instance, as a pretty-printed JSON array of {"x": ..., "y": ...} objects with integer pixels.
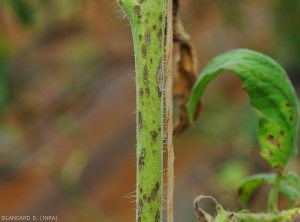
[
  {"x": 272, "y": 97},
  {"x": 247, "y": 187},
  {"x": 289, "y": 186}
]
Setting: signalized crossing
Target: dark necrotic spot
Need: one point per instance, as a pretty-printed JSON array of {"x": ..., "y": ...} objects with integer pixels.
[
  {"x": 147, "y": 90},
  {"x": 154, "y": 192},
  {"x": 291, "y": 118},
  {"x": 288, "y": 105},
  {"x": 273, "y": 140},
  {"x": 142, "y": 159},
  {"x": 140, "y": 207},
  {"x": 159, "y": 35},
  {"x": 157, "y": 216},
  {"x": 147, "y": 38},
  {"x": 137, "y": 10},
  {"x": 154, "y": 27},
  {"x": 154, "y": 135},
  {"x": 145, "y": 74},
  {"x": 159, "y": 79},
  {"x": 141, "y": 92},
  {"x": 160, "y": 18},
  {"x": 140, "y": 123},
  {"x": 140, "y": 37},
  {"x": 144, "y": 51}
]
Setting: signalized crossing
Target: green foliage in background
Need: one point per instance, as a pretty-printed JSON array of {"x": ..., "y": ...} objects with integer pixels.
[
  {"x": 272, "y": 97},
  {"x": 23, "y": 13},
  {"x": 274, "y": 100}
]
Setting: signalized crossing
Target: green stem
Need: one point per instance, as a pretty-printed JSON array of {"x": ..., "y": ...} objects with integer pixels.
[
  {"x": 243, "y": 217},
  {"x": 147, "y": 19},
  {"x": 273, "y": 195}
]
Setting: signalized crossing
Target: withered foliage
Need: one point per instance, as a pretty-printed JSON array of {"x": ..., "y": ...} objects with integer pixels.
[{"x": 186, "y": 69}]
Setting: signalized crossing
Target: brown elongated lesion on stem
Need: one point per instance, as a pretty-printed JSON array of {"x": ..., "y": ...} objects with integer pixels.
[{"x": 185, "y": 76}]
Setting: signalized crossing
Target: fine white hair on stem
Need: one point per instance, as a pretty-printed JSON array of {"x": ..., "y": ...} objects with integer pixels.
[
  {"x": 130, "y": 195},
  {"x": 131, "y": 75},
  {"x": 115, "y": 8}
]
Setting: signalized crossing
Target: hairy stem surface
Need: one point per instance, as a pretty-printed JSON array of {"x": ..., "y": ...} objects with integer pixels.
[{"x": 147, "y": 19}]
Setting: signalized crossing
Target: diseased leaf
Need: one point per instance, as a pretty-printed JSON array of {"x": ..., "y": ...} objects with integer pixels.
[
  {"x": 272, "y": 97},
  {"x": 289, "y": 186},
  {"x": 184, "y": 80}
]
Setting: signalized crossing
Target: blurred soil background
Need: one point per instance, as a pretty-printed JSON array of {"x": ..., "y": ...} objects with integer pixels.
[{"x": 67, "y": 103}]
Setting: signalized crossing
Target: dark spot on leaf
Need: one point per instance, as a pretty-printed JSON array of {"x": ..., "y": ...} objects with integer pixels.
[
  {"x": 281, "y": 132},
  {"x": 154, "y": 135},
  {"x": 154, "y": 27},
  {"x": 144, "y": 197},
  {"x": 271, "y": 153},
  {"x": 291, "y": 118},
  {"x": 270, "y": 137},
  {"x": 145, "y": 74},
  {"x": 144, "y": 52},
  {"x": 151, "y": 60},
  {"x": 288, "y": 105},
  {"x": 141, "y": 190},
  {"x": 260, "y": 74},
  {"x": 140, "y": 37},
  {"x": 273, "y": 140},
  {"x": 137, "y": 10},
  {"x": 279, "y": 168},
  {"x": 142, "y": 1},
  {"x": 142, "y": 159}
]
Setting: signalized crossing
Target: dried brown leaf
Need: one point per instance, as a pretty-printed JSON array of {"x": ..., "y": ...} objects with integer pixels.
[{"x": 184, "y": 80}]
